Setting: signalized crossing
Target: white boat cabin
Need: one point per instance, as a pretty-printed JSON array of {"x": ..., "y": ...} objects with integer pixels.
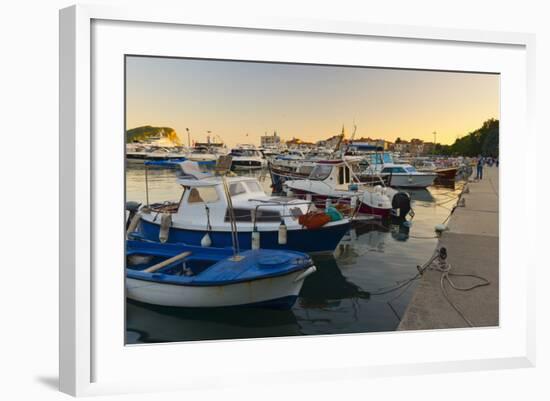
[
  {"x": 399, "y": 169},
  {"x": 204, "y": 201},
  {"x": 337, "y": 174}
]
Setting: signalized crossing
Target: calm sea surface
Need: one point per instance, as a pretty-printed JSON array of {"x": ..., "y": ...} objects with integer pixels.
[{"x": 336, "y": 299}]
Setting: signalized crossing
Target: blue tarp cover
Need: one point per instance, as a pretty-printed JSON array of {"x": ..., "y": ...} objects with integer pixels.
[{"x": 254, "y": 265}]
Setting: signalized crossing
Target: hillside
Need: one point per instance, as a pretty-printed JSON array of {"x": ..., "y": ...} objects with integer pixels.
[
  {"x": 147, "y": 131},
  {"x": 483, "y": 141}
]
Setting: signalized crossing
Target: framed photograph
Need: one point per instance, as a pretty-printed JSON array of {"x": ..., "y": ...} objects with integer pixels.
[{"x": 288, "y": 200}]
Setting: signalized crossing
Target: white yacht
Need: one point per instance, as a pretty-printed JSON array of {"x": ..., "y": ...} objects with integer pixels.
[
  {"x": 247, "y": 158},
  {"x": 398, "y": 175}
]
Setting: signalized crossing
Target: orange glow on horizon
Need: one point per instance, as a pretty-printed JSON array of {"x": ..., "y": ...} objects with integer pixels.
[{"x": 239, "y": 101}]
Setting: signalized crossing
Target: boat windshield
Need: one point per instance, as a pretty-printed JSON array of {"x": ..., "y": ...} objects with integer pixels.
[
  {"x": 245, "y": 153},
  {"x": 254, "y": 186},
  {"x": 236, "y": 188},
  {"x": 203, "y": 195},
  {"x": 410, "y": 169},
  {"x": 380, "y": 158},
  {"x": 320, "y": 172}
]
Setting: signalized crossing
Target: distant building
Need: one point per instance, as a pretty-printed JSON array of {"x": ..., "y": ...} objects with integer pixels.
[
  {"x": 379, "y": 143},
  {"x": 416, "y": 147},
  {"x": 330, "y": 142},
  {"x": 402, "y": 147},
  {"x": 270, "y": 141}
]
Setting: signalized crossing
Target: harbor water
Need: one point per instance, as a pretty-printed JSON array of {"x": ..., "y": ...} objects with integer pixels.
[{"x": 348, "y": 293}]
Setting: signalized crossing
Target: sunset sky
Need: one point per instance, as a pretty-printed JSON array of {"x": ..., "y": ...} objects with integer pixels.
[{"x": 311, "y": 102}]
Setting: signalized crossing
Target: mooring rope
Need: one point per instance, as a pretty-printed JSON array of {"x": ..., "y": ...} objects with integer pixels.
[{"x": 445, "y": 268}]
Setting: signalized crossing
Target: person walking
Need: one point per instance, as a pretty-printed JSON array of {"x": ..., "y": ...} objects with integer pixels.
[{"x": 479, "y": 173}]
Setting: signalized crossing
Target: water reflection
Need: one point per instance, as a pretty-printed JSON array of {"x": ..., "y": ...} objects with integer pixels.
[
  {"x": 328, "y": 285},
  {"x": 152, "y": 324}
]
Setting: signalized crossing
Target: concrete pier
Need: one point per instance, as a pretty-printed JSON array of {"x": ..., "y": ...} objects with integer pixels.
[{"x": 472, "y": 243}]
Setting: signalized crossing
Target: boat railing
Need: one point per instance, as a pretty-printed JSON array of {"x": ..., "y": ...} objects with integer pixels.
[{"x": 271, "y": 202}]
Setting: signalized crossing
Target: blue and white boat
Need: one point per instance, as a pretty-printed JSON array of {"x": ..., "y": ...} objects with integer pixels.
[
  {"x": 196, "y": 277},
  {"x": 223, "y": 212}
]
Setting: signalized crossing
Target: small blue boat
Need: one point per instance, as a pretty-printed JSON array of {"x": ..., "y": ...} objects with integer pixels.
[{"x": 197, "y": 277}]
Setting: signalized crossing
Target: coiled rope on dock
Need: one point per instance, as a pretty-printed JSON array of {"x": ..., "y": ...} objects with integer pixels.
[
  {"x": 445, "y": 269},
  {"x": 437, "y": 262}
]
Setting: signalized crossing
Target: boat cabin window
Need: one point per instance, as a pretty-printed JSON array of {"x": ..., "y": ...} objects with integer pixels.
[
  {"x": 410, "y": 169},
  {"x": 241, "y": 215},
  {"x": 380, "y": 158},
  {"x": 320, "y": 172},
  {"x": 393, "y": 170},
  {"x": 203, "y": 195},
  {"x": 304, "y": 169},
  {"x": 343, "y": 175},
  {"x": 236, "y": 188},
  {"x": 245, "y": 216},
  {"x": 254, "y": 186},
  {"x": 268, "y": 216}
]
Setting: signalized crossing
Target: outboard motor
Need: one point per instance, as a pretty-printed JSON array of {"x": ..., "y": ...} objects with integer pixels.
[{"x": 401, "y": 201}]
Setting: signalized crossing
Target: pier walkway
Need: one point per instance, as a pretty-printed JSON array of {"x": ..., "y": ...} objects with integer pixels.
[{"x": 472, "y": 243}]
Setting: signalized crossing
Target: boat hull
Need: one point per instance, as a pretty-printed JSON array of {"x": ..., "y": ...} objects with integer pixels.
[
  {"x": 247, "y": 164},
  {"x": 366, "y": 209},
  {"x": 447, "y": 173},
  {"x": 412, "y": 180},
  {"x": 324, "y": 239},
  {"x": 320, "y": 202},
  {"x": 274, "y": 292}
]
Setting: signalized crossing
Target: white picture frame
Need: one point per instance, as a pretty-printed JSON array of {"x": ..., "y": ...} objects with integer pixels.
[{"x": 86, "y": 351}]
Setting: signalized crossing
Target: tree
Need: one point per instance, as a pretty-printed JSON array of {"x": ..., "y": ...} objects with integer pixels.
[{"x": 483, "y": 141}]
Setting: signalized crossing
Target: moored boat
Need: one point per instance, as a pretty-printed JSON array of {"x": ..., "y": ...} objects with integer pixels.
[
  {"x": 335, "y": 181},
  {"x": 444, "y": 173},
  {"x": 247, "y": 158},
  {"x": 209, "y": 204},
  {"x": 197, "y": 277},
  {"x": 399, "y": 174}
]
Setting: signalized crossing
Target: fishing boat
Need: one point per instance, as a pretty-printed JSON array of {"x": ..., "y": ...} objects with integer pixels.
[
  {"x": 247, "y": 158},
  {"x": 220, "y": 211},
  {"x": 198, "y": 277},
  {"x": 333, "y": 181}
]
